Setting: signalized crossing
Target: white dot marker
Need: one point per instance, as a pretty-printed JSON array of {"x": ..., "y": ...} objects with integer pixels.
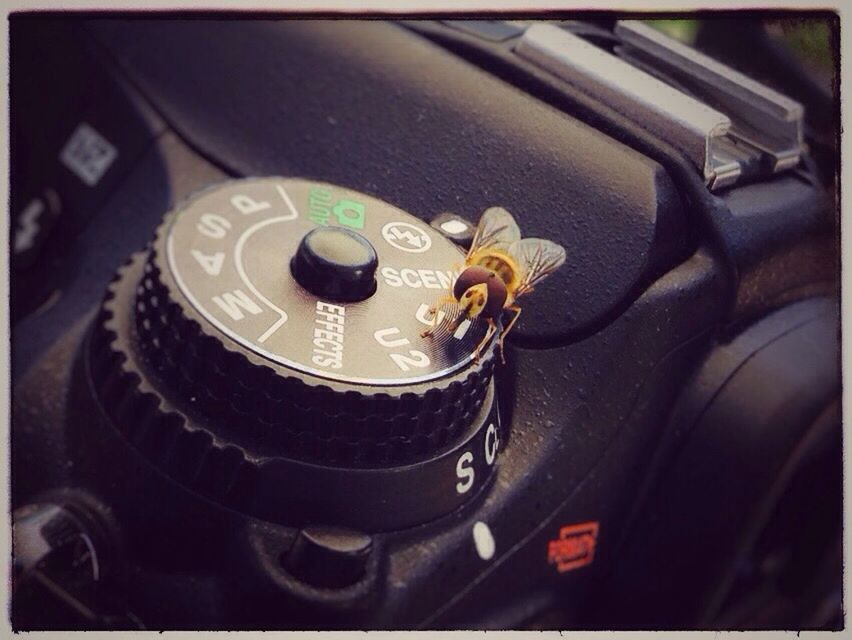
[
  {"x": 454, "y": 226},
  {"x": 483, "y": 540}
]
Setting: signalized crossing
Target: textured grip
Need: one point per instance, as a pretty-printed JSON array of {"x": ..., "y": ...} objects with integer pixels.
[{"x": 262, "y": 408}]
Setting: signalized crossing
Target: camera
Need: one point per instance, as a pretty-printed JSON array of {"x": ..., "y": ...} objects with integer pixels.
[{"x": 235, "y": 404}]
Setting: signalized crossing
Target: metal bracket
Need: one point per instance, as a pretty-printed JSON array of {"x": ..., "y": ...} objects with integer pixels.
[{"x": 726, "y": 124}]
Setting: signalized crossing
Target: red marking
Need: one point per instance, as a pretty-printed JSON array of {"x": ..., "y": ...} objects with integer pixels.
[{"x": 574, "y": 548}]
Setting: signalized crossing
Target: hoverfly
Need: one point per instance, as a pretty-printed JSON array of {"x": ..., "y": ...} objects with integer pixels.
[{"x": 500, "y": 267}]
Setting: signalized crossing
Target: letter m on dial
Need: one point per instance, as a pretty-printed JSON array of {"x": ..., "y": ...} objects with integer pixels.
[{"x": 235, "y": 302}]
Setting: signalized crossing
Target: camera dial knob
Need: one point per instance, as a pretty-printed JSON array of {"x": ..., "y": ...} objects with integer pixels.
[
  {"x": 336, "y": 264},
  {"x": 282, "y": 318}
]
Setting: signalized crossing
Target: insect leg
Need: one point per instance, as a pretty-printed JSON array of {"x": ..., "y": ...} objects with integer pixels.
[
  {"x": 435, "y": 311},
  {"x": 506, "y": 330},
  {"x": 492, "y": 328}
]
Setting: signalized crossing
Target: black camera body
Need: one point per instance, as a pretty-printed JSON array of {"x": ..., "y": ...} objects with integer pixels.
[{"x": 662, "y": 439}]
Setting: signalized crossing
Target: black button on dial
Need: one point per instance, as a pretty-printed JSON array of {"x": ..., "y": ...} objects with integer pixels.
[{"x": 337, "y": 264}]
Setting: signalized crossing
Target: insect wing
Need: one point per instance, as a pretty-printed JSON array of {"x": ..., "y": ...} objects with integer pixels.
[
  {"x": 496, "y": 229},
  {"x": 536, "y": 259}
]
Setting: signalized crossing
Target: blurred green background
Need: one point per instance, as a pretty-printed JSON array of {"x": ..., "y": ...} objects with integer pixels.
[{"x": 808, "y": 39}]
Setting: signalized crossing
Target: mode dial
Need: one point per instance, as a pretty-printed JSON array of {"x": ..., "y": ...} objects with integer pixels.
[{"x": 283, "y": 317}]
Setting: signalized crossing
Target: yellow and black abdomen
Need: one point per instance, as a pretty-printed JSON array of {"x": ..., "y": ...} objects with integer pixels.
[{"x": 501, "y": 264}]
